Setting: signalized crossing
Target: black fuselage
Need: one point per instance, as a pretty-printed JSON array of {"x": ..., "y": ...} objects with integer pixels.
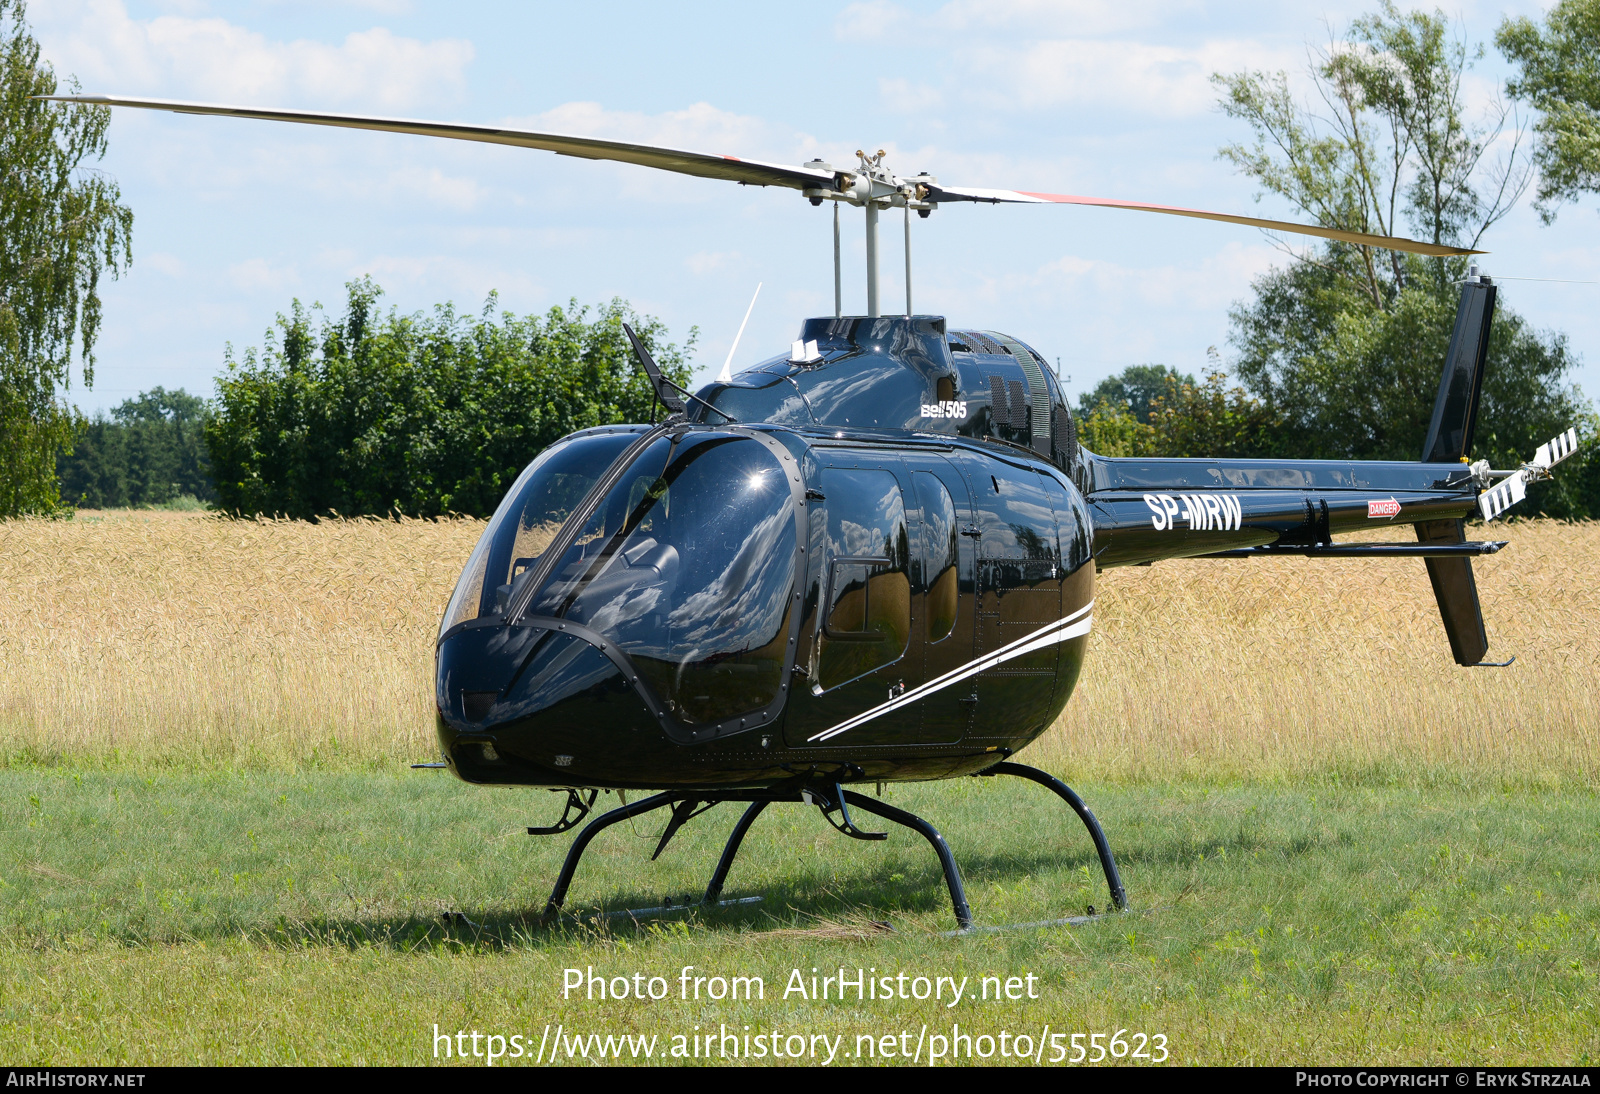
[{"x": 875, "y": 566}]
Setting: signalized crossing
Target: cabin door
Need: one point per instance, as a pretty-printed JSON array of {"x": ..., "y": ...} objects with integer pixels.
[
  {"x": 943, "y": 620},
  {"x": 1018, "y": 594},
  {"x": 862, "y": 655}
]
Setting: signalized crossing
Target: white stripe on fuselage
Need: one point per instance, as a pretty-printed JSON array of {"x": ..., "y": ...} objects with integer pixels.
[{"x": 1073, "y": 626}]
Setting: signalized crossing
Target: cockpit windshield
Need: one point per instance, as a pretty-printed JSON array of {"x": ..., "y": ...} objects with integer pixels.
[
  {"x": 688, "y": 565},
  {"x": 528, "y": 518}
]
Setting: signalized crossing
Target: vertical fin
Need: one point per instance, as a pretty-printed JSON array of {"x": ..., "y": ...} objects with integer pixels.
[
  {"x": 1456, "y": 590},
  {"x": 1455, "y": 416},
  {"x": 1455, "y": 411}
]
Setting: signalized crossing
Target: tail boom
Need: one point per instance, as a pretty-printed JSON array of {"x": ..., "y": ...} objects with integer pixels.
[{"x": 1147, "y": 510}]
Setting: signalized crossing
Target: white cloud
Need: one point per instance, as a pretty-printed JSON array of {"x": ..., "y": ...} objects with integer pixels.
[
  {"x": 434, "y": 187},
  {"x": 704, "y": 262},
  {"x": 871, "y": 21},
  {"x": 382, "y": 7},
  {"x": 883, "y": 20},
  {"x": 466, "y": 281},
  {"x": 165, "y": 263},
  {"x": 1158, "y": 80},
  {"x": 211, "y": 58},
  {"x": 257, "y": 274},
  {"x": 904, "y": 97},
  {"x": 697, "y": 128},
  {"x": 1057, "y": 16},
  {"x": 1111, "y": 301},
  {"x": 1211, "y": 284},
  {"x": 1046, "y": 54}
]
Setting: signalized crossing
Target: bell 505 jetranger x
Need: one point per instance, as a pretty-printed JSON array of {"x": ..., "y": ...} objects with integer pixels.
[{"x": 871, "y": 558}]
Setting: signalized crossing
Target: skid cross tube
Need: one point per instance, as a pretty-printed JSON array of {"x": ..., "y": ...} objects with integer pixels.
[
  {"x": 759, "y": 800},
  {"x": 1119, "y": 896}
]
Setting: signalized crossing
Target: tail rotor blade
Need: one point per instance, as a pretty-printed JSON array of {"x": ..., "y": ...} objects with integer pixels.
[
  {"x": 1556, "y": 449},
  {"x": 1510, "y": 491}
]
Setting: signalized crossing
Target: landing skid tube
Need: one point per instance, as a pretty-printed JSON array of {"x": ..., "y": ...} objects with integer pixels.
[
  {"x": 1119, "y": 895},
  {"x": 828, "y": 798}
]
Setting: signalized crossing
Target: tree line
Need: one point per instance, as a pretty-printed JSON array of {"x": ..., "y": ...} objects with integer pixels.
[
  {"x": 420, "y": 414},
  {"x": 1339, "y": 353},
  {"x": 1336, "y": 354},
  {"x": 149, "y": 451},
  {"x": 1364, "y": 392},
  {"x": 370, "y": 412}
]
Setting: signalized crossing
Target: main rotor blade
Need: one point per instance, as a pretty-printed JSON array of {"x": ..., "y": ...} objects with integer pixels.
[
  {"x": 702, "y": 164},
  {"x": 1393, "y": 243},
  {"x": 729, "y": 168}
]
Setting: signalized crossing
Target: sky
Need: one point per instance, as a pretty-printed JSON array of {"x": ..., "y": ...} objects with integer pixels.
[{"x": 236, "y": 219}]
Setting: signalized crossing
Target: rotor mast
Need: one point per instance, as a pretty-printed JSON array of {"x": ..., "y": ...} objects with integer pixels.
[{"x": 872, "y": 187}]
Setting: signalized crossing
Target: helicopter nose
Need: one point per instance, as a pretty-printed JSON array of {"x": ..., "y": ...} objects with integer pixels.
[{"x": 534, "y": 707}]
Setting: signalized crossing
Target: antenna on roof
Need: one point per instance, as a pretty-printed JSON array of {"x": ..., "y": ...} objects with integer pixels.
[{"x": 727, "y": 366}]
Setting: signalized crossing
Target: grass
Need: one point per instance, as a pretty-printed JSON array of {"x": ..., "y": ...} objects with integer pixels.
[
  {"x": 185, "y": 640},
  {"x": 295, "y": 917},
  {"x": 1342, "y": 847},
  {"x": 180, "y": 639}
]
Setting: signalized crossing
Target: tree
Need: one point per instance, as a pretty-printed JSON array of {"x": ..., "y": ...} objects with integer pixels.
[
  {"x": 149, "y": 451},
  {"x": 1346, "y": 343},
  {"x": 1135, "y": 386},
  {"x": 418, "y": 414},
  {"x": 1387, "y": 146},
  {"x": 1184, "y": 418},
  {"x": 1560, "y": 75},
  {"x": 61, "y": 227},
  {"x": 1352, "y": 382}
]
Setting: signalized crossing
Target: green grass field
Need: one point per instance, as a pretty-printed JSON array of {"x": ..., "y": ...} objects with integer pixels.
[
  {"x": 264, "y": 917},
  {"x": 1341, "y": 847}
]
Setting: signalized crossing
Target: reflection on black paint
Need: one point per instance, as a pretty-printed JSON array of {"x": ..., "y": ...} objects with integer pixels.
[
  {"x": 868, "y": 614},
  {"x": 687, "y": 565},
  {"x": 939, "y": 575},
  {"x": 559, "y": 669}
]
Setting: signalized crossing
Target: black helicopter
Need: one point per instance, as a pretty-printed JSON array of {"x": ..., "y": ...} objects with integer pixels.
[{"x": 872, "y": 558}]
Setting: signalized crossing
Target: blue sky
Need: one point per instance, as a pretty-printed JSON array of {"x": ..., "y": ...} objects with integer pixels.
[{"x": 234, "y": 219}]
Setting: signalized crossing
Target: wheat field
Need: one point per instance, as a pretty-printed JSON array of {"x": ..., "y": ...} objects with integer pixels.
[{"x": 193, "y": 640}]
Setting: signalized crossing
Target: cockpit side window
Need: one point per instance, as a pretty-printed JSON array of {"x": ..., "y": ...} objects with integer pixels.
[{"x": 866, "y": 618}]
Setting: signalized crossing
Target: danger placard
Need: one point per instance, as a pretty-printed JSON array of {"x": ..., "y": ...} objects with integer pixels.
[{"x": 1387, "y": 507}]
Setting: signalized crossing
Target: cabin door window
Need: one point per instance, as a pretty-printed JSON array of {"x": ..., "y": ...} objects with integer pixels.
[{"x": 866, "y": 616}]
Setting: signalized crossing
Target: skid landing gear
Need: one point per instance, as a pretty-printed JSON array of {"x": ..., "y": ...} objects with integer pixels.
[
  {"x": 835, "y": 803},
  {"x": 1119, "y": 895}
]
